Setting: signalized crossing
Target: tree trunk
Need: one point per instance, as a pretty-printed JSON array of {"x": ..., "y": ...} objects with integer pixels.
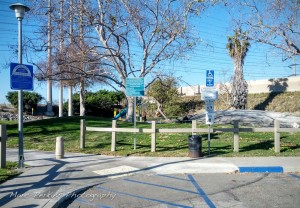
[
  {"x": 82, "y": 98},
  {"x": 160, "y": 111},
  {"x": 60, "y": 100},
  {"x": 70, "y": 107},
  {"x": 49, "y": 111},
  {"x": 129, "y": 115},
  {"x": 239, "y": 87}
]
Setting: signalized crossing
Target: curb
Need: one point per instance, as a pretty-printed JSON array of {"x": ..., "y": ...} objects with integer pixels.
[{"x": 261, "y": 169}]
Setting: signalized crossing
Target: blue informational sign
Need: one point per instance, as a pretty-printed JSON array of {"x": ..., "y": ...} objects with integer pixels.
[
  {"x": 135, "y": 87},
  {"x": 21, "y": 77},
  {"x": 210, "y": 74}
]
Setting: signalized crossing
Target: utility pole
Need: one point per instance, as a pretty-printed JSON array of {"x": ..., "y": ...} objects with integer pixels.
[
  {"x": 295, "y": 70},
  {"x": 49, "y": 71},
  {"x": 82, "y": 79},
  {"x": 294, "y": 66},
  {"x": 61, "y": 43},
  {"x": 70, "y": 107}
]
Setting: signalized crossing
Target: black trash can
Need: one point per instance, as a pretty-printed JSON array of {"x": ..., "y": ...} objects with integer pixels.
[{"x": 195, "y": 146}]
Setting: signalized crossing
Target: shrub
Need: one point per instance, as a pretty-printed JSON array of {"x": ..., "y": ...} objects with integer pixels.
[
  {"x": 99, "y": 103},
  {"x": 30, "y": 99}
]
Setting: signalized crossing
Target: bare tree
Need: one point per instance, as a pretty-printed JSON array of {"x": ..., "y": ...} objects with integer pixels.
[
  {"x": 71, "y": 61},
  {"x": 81, "y": 67},
  {"x": 131, "y": 38},
  {"x": 272, "y": 22},
  {"x": 237, "y": 47},
  {"x": 135, "y": 36}
]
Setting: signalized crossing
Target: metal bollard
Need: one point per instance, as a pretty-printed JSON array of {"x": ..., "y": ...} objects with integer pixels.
[
  {"x": 3, "y": 138},
  {"x": 59, "y": 150}
]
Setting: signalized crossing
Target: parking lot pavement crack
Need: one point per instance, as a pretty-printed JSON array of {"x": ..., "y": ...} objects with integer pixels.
[
  {"x": 242, "y": 185},
  {"x": 233, "y": 195}
]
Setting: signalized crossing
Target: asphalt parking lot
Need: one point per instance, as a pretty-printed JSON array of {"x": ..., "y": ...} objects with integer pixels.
[
  {"x": 193, "y": 190},
  {"x": 83, "y": 180}
]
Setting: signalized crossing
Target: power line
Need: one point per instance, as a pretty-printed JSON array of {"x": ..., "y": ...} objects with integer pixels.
[{"x": 15, "y": 23}]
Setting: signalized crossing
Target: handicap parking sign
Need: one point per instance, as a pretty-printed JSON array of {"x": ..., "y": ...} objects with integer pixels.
[{"x": 210, "y": 74}]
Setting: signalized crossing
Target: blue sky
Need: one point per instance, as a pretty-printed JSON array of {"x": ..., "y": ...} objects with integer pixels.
[{"x": 262, "y": 62}]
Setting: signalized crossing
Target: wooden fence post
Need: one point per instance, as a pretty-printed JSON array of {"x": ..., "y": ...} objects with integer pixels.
[
  {"x": 3, "y": 138},
  {"x": 113, "y": 136},
  {"x": 276, "y": 136},
  {"x": 194, "y": 126},
  {"x": 153, "y": 136},
  {"x": 82, "y": 133},
  {"x": 236, "y": 136}
]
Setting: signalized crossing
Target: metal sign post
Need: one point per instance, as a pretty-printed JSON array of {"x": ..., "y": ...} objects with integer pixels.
[
  {"x": 134, "y": 120},
  {"x": 208, "y": 139},
  {"x": 209, "y": 95},
  {"x": 209, "y": 121},
  {"x": 20, "y": 10},
  {"x": 135, "y": 87}
]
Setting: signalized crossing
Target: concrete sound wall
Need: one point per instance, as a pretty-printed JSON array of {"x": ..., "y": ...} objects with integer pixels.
[{"x": 289, "y": 84}]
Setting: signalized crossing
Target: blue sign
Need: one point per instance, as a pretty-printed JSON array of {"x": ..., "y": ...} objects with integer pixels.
[
  {"x": 21, "y": 77},
  {"x": 210, "y": 74},
  {"x": 135, "y": 87}
]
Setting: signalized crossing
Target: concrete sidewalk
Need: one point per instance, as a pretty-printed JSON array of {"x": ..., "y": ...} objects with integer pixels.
[{"x": 48, "y": 181}]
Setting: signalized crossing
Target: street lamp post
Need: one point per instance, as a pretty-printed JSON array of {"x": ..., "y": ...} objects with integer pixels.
[{"x": 20, "y": 10}]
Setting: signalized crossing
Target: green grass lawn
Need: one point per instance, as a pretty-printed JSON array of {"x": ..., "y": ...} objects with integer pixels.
[
  {"x": 8, "y": 172},
  {"x": 40, "y": 135}
]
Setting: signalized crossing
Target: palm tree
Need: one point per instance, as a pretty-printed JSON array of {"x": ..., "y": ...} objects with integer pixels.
[{"x": 238, "y": 47}]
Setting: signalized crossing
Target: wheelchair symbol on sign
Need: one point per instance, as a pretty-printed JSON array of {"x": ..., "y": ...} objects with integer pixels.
[
  {"x": 210, "y": 78},
  {"x": 210, "y": 75}
]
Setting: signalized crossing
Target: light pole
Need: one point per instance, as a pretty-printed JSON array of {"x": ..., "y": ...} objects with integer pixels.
[{"x": 20, "y": 10}]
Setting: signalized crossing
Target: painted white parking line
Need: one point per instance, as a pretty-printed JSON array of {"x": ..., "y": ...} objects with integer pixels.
[{"x": 116, "y": 172}]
